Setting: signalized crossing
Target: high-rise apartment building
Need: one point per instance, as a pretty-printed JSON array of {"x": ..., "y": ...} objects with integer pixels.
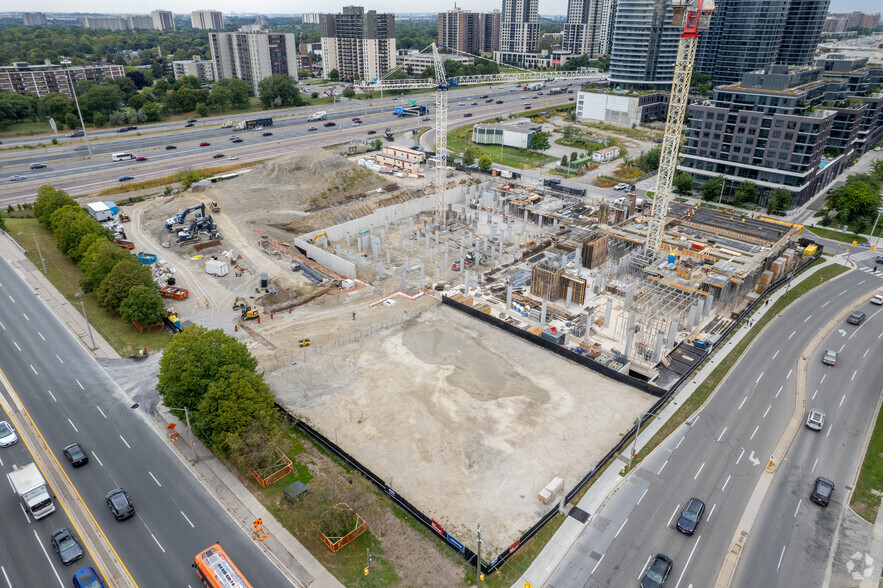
[
  {"x": 163, "y": 20},
  {"x": 587, "y": 30},
  {"x": 111, "y": 23},
  {"x": 491, "y": 23},
  {"x": 310, "y": 17},
  {"x": 44, "y": 79},
  {"x": 253, "y": 54},
  {"x": 139, "y": 22},
  {"x": 861, "y": 20},
  {"x": 34, "y": 19},
  {"x": 804, "y": 21},
  {"x": 836, "y": 24},
  {"x": 644, "y": 44},
  {"x": 196, "y": 67},
  {"x": 519, "y": 27},
  {"x": 358, "y": 44},
  {"x": 210, "y": 20},
  {"x": 469, "y": 32}
]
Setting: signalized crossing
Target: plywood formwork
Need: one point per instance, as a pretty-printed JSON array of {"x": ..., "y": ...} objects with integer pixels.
[{"x": 545, "y": 281}]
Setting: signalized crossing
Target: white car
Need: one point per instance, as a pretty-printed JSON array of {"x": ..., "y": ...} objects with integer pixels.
[
  {"x": 232, "y": 158},
  {"x": 877, "y": 299},
  {"x": 815, "y": 420},
  {"x": 620, "y": 186},
  {"x": 7, "y": 435},
  {"x": 16, "y": 178}
]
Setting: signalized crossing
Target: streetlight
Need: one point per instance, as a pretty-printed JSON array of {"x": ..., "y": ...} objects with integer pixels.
[
  {"x": 635, "y": 442},
  {"x": 723, "y": 185},
  {"x": 189, "y": 428},
  {"x": 877, "y": 243},
  {"x": 65, "y": 63},
  {"x": 79, "y": 295}
]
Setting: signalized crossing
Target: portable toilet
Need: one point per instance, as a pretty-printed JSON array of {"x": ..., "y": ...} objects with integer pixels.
[{"x": 265, "y": 281}]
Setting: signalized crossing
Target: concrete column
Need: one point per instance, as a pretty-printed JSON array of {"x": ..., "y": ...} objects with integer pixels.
[
  {"x": 427, "y": 240},
  {"x": 508, "y": 297},
  {"x": 466, "y": 278},
  {"x": 407, "y": 264},
  {"x": 412, "y": 246},
  {"x": 657, "y": 349},
  {"x": 501, "y": 247},
  {"x": 462, "y": 250},
  {"x": 608, "y": 313},
  {"x": 540, "y": 221},
  {"x": 447, "y": 263},
  {"x": 380, "y": 269},
  {"x": 437, "y": 274},
  {"x": 589, "y": 315},
  {"x": 401, "y": 241},
  {"x": 691, "y": 318},
  {"x": 629, "y": 298},
  {"x": 383, "y": 236},
  {"x": 359, "y": 243},
  {"x": 578, "y": 260},
  {"x": 347, "y": 239},
  {"x": 630, "y": 334},
  {"x": 410, "y": 227},
  {"x": 525, "y": 215},
  {"x": 388, "y": 256},
  {"x": 436, "y": 238},
  {"x": 709, "y": 301},
  {"x": 569, "y": 295},
  {"x": 431, "y": 255},
  {"x": 672, "y": 333},
  {"x": 422, "y": 272},
  {"x": 543, "y": 312},
  {"x": 404, "y": 280}
]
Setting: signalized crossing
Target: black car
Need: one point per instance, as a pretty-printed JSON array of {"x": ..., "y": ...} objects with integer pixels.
[
  {"x": 170, "y": 147},
  {"x": 266, "y": 134},
  {"x": 489, "y": 101},
  {"x": 132, "y": 128},
  {"x": 75, "y": 454},
  {"x": 330, "y": 124},
  {"x": 123, "y": 130},
  {"x": 237, "y": 140},
  {"x": 372, "y": 132},
  {"x": 79, "y": 133},
  {"x": 483, "y": 96},
  {"x": 856, "y": 318},
  {"x": 120, "y": 504},
  {"x": 467, "y": 115},
  {"x": 690, "y": 516},
  {"x": 499, "y": 101},
  {"x": 189, "y": 125},
  {"x": 657, "y": 573},
  {"x": 879, "y": 259},
  {"x": 64, "y": 543},
  {"x": 822, "y": 491},
  {"x": 217, "y": 156},
  {"x": 126, "y": 178},
  {"x": 193, "y": 120}
]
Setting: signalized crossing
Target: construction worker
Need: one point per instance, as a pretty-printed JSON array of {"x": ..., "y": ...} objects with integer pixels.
[{"x": 354, "y": 316}]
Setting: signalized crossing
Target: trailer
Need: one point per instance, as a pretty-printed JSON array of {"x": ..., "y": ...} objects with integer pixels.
[{"x": 30, "y": 486}]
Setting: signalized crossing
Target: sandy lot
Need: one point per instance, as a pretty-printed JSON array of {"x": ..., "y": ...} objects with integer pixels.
[{"x": 464, "y": 420}]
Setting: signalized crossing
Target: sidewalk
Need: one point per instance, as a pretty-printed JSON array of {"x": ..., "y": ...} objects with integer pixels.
[{"x": 607, "y": 484}]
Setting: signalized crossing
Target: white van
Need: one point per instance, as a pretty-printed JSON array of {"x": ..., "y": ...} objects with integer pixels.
[{"x": 122, "y": 156}]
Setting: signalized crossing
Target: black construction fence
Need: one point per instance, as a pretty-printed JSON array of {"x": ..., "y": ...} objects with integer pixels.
[{"x": 663, "y": 396}]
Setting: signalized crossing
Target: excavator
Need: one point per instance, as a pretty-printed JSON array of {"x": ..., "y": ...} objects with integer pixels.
[
  {"x": 181, "y": 216},
  {"x": 247, "y": 313}
]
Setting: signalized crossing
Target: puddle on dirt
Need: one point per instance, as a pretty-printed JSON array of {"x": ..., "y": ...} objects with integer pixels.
[{"x": 479, "y": 371}]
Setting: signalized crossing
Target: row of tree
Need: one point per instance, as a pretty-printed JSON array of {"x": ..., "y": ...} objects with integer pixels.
[
  {"x": 120, "y": 282},
  {"x": 857, "y": 202}
]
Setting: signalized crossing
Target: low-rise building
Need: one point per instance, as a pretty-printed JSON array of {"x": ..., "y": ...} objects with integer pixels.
[
  {"x": 515, "y": 133},
  {"x": 606, "y": 154},
  {"x": 196, "y": 67},
  {"x": 621, "y": 108},
  {"x": 34, "y": 19},
  {"x": 409, "y": 154},
  {"x": 531, "y": 60},
  {"x": 44, "y": 79}
]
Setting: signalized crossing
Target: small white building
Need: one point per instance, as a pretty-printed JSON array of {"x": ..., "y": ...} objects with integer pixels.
[
  {"x": 516, "y": 133},
  {"x": 99, "y": 211},
  {"x": 606, "y": 154}
]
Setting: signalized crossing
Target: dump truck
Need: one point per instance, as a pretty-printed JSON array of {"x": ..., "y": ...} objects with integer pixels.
[{"x": 30, "y": 486}]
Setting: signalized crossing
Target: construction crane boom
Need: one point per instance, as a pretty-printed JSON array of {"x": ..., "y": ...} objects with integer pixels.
[{"x": 694, "y": 18}]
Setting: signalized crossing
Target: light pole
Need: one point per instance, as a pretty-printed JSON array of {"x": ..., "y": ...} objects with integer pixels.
[
  {"x": 37, "y": 243},
  {"x": 189, "y": 429},
  {"x": 874, "y": 229},
  {"x": 635, "y": 441},
  {"x": 721, "y": 198},
  {"x": 86, "y": 318},
  {"x": 65, "y": 63}
]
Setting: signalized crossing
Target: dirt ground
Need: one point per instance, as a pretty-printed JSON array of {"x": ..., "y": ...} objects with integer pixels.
[{"x": 466, "y": 421}]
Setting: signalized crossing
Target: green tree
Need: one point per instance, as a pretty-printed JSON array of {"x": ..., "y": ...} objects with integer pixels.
[
  {"x": 855, "y": 200},
  {"x": 231, "y": 405},
  {"x": 539, "y": 141},
  {"x": 573, "y": 157},
  {"x": 194, "y": 359},
  {"x": 314, "y": 95},
  {"x": 649, "y": 162},
  {"x": 220, "y": 98},
  {"x": 137, "y": 101},
  {"x": 779, "y": 201},
  {"x": 484, "y": 162},
  {"x": 279, "y": 90},
  {"x": 98, "y": 260},
  {"x": 102, "y": 98},
  {"x": 99, "y": 119},
  {"x": 115, "y": 286},
  {"x": 377, "y": 144},
  {"x": 58, "y": 106},
  {"x": 348, "y": 93},
  {"x": 239, "y": 93},
  {"x": 334, "y": 75},
  {"x": 2, "y": 223},
  {"x": 469, "y": 156},
  {"x": 683, "y": 183},
  {"x": 563, "y": 161},
  {"x": 143, "y": 305},
  {"x": 712, "y": 189},
  {"x": 202, "y": 110},
  {"x": 48, "y": 201},
  {"x": 745, "y": 192},
  {"x": 153, "y": 111}
]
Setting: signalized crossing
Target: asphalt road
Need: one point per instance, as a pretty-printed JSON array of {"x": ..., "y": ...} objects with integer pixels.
[
  {"x": 70, "y": 398},
  {"x": 720, "y": 455}
]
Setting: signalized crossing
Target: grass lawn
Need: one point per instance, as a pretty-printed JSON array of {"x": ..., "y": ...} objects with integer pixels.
[
  {"x": 838, "y": 236},
  {"x": 65, "y": 275},
  {"x": 516, "y": 565},
  {"x": 175, "y": 178},
  {"x": 866, "y": 497},
  {"x": 459, "y": 140},
  {"x": 580, "y": 145},
  {"x": 26, "y": 129}
]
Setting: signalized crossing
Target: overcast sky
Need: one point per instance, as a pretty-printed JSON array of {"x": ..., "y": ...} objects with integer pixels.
[{"x": 288, "y": 7}]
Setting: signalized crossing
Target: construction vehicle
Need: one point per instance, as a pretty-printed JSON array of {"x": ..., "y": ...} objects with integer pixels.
[
  {"x": 30, "y": 486},
  {"x": 456, "y": 266},
  {"x": 124, "y": 218},
  {"x": 128, "y": 245},
  {"x": 328, "y": 245},
  {"x": 191, "y": 233},
  {"x": 179, "y": 218},
  {"x": 304, "y": 343},
  {"x": 215, "y": 207},
  {"x": 388, "y": 134},
  {"x": 172, "y": 321},
  {"x": 240, "y": 302},
  {"x": 248, "y": 313},
  {"x": 174, "y": 292}
]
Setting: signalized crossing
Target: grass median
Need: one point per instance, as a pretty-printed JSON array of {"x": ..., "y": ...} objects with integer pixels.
[
  {"x": 865, "y": 499},
  {"x": 176, "y": 178}
]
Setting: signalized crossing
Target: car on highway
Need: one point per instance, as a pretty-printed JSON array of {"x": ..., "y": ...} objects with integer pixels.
[
  {"x": 236, "y": 141},
  {"x": 372, "y": 132},
  {"x": 88, "y": 578},
  {"x": 38, "y": 165},
  {"x": 123, "y": 130},
  {"x": 16, "y": 178},
  {"x": 330, "y": 124},
  {"x": 75, "y": 134},
  {"x": 188, "y": 125},
  {"x": 570, "y": 99},
  {"x": 467, "y": 115},
  {"x": 474, "y": 104},
  {"x": 856, "y": 318},
  {"x": 193, "y": 120},
  {"x": 170, "y": 147},
  {"x": 489, "y": 101},
  {"x": 425, "y": 118},
  {"x": 830, "y": 357},
  {"x": 140, "y": 158},
  {"x": 125, "y": 178},
  {"x": 204, "y": 144},
  {"x": 357, "y": 121},
  {"x": 822, "y": 490},
  {"x": 132, "y": 128},
  {"x": 217, "y": 156},
  {"x": 7, "y": 435},
  {"x": 657, "y": 572},
  {"x": 75, "y": 454},
  {"x": 66, "y": 546},
  {"x": 483, "y": 96},
  {"x": 877, "y": 299},
  {"x": 233, "y": 137},
  {"x": 232, "y": 158},
  {"x": 461, "y": 104},
  {"x": 120, "y": 504},
  {"x": 267, "y": 134},
  {"x": 310, "y": 129},
  {"x": 815, "y": 420},
  {"x": 690, "y": 516}
]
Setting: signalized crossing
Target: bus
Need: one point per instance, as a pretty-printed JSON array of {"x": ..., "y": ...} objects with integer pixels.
[
  {"x": 216, "y": 570},
  {"x": 122, "y": 156}
]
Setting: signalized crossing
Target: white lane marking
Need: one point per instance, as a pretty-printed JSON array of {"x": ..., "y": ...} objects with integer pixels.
[
  {"x": 878, "y": 336},
  {"x": 862, "y": 282},
  {"x": 101, "y": 411},
  {"x": 807, "y": 318},
  {"x": 60, "y": 583},
  {"x": 841, "y": 347},
  {"x": 13, "y": 301},
  {"x": 776, "y": 354},
  {"x": 73, "y": 425},
  {"x": 692, "y": 551},
  {"x": 767, "y": 410},
  {"x": 646, "y": 563},
  {"x": 721, "y": 435},
  {"x": 8, "y": 583},
  {"x": 599, "y": 563},
  {"x": 154, "y": 478},
  {"x": 186, "y": 519},
  {"x": 78, "y": 384},
  {"x": 844, "y": 292},
  {"x": 662, "y": 468},
  {"x": 740, "y": 457},
  {"x": 157, "y": 542},
  {"x": 814, "y": 395},
  {"x": 841, "y": 401},
  {"x": 52, "y": 395},
  {"x": 681, "y": 440},
  {"x": 96, "y": 459},
  {"x": 826, "y": 304},
  {"x": 41, "y": 335},
  {"x": 124, "y": 441},
  {"x": 796, "y": 510},
  {"x": 642, "y": 496},
  {"x": 59, "y": 359},
  {"x": 4, "y": 328},
  {"x": 783, "y": 552},
  {"x": 711, "y": 512},
  {"x": 35, "y": 371},
  {"x": 620, "y": 528},
  {"x": 743, "y": 402},
  {"x": 828, "y": 434},
  {"x": 754, "y": 433},
  {"x": 725, "y": 483},
  {"x": 815, "y": 463},
  {"x": 791, "y": 335},
  {"x": 700, "y": 470},
  {"x": 788, "y": 376},
  {"x": 779, "y": 391},
  {"x": 866, "y": 353},
  {"x": 16, "y": 345},
  {"x": 26, "y": 316},
  {"x": 853, "y": 375},
  {"x": 671, "y": 518},
  {"x": 822, "y": 381},
  {"x": 758, "y": 378}
]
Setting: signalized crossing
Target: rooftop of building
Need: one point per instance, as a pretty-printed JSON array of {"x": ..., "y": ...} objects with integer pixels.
[{"x": 524, "y": 125}]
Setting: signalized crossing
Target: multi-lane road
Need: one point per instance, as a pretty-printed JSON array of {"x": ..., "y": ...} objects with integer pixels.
[
  {"x": 720, "y": 454},
  {"x": 71, "y": 399}
]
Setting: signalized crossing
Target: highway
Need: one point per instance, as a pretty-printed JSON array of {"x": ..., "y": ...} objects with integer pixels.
[
  {"x": 71, "y": 399},
  {"x": 73, "y": 171},
  {"x": 718, "y": 456}
]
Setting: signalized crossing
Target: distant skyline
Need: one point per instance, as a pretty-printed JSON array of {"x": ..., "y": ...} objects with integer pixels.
[{"x": 547, "y": 7}]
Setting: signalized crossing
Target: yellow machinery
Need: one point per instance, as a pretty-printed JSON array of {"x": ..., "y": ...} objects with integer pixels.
[{"x": 215, "y": 207}]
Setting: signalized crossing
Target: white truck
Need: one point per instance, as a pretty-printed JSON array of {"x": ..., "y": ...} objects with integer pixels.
[
  {"x": 30, "y": 486},
  {"x": 321, "y": 115}
]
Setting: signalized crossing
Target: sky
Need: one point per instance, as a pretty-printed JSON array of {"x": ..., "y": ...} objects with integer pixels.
[{"x": 288, "y": 7}]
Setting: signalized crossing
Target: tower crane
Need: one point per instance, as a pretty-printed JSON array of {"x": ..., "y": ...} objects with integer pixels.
[
  {"x": 695, "y": 15},
  {"x": 442, "y": 84}
]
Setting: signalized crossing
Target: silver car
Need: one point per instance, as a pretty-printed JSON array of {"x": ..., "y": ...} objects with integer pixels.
[
  {"x": 16, "y": 178},
  {"x": 815, "y": 420},
  {"x": 7, "y": 435},
  {"x": 830, "y": 357}
]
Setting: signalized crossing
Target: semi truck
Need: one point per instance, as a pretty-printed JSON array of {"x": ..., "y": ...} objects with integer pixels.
[
  {"x": 258, "y": 123},
  {"x": 30, "y": 486},
  {"x": 534, "y": 86},
  {"x": 413, "y": 110},
  {"x": 321, "y": 115}
]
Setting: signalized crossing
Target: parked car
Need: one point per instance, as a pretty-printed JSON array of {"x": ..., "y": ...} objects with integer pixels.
[
  {"x": 330, "y": 124},
  {"x": 822, "y": 490},
  {"x": 140, "y": 158},
  {"x": 75, "y": 454},
  {"x": 830, "y": 357},
  {"x": 126, "y": 178},
  {"x": 120, "y": 504},
  {"x": 266, "y": 134},
  {"x": 66, "y": 546},
  {"x": 7, "y": 435},
  {"x": 217, "y": 156},
  {"x": 690, "y": 516},
  {"x": 856, "y": 318},
  {"x": 38, "y": 165},
  {"x": 204, "y": 144},
  {"x": 877, "y": 299},
  {"x": 657, "y": 573},
  {"x": 16, "y": 178},
  {"x": 815, "y": 420},
  {"x": 88, "y": 578}
]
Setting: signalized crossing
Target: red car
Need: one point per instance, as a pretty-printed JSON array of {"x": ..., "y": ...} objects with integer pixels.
[
  {"x": 142, "y": 158},
  {"x": 204, "y": 144}
]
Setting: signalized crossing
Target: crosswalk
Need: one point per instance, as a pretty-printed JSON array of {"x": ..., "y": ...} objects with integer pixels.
[{"x": 865, "y": 255}]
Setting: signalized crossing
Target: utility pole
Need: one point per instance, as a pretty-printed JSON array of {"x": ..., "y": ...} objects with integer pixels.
[
  {"x": 368, "y": 568},
  {"x": 66, "y": 63},
  {"x": 478, "y": 558},
  {"x": 190, "y": 434},
  {"x": 43, "y": 261},
  {"x": 88, "y": 326}
]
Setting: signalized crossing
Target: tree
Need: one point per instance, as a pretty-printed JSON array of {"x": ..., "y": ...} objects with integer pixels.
[
  {"x": 137, "y": 101},
  {"x": 563, "y": 161},
  {"x": 138, "y": 78},
  {"x": 153, "y": 111},
  {"x": 649, "y": 162},
  {"x": 573, "y": 157},
  {"x": 115, "y": 286},
  {"x": 2, "y": 223},
  {"x": 779, "y": 201},
  {"x": 98, "y": 260},
  {"x": 348, "y": 93},
  {"x": 196, "y": 358},
  {"x": 484, "y": 162},
  {"x": 683, "y": 183},
  {"x": 48, "y": 201},
  {"x": 201, "y": 110},
  {"x": 230, "y": 406},
  {"x": 572, "y": 132},
  {"x": 538, "y": 141},
  {"x": 712, "y": 189},
  {"x": 102, "y": 98},
  {"x": 99, "y": 119},
  {"x": 279, "y": 90},
  {"x": 143, "y": 305},
  {"x": 58, "y": 106},
  {"x": 314, "y": 95},
  {"x": 220, "y": 98},
  {"x": 853, "y": 201},
  {"x": 70, "y": 224},
  {"x": 377, "y": 144},
  {"x": 469, "y": 156},
  {"x": 334, "y": 75},
  {"x": 745, "y": 192}
]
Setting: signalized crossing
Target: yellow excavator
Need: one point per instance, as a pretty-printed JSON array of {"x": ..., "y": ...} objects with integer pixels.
[{"x": 247, "y": 313}]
